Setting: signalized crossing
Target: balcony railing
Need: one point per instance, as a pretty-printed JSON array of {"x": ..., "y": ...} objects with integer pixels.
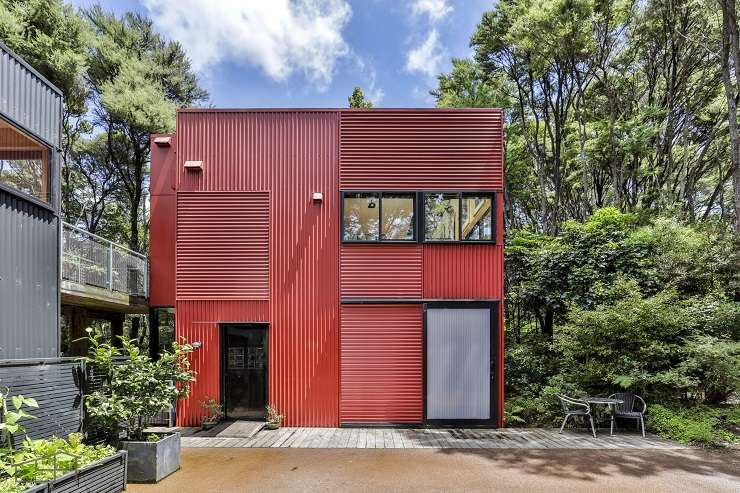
[{"x": 94, "y": 261}]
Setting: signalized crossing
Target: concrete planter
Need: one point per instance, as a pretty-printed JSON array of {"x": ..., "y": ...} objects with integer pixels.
[
  {"x": 107, "y": 475},
  {"x": 150, "y": 462}
]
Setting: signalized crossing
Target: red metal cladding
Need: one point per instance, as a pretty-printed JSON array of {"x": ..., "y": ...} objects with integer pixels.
[
  {"x": 223, "y": 245},
  {"x": 162, "y": 226},
  {"x": 292, "y": 154},
  {"x": 199, "y": 321},
  {"x": 383, "y": 271},
  {"x": 422, "y": 149},
  {"x": 466, "y": 271},
  {"x": 382, "y": 364}
]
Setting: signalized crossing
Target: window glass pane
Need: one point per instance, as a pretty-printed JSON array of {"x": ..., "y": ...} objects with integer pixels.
[
  {"x": 24, "y": 163},
  {"x": 441, "y": 216},
  {"x": 398, "y": 216},
  {"x": 165, "y": 328},
  {"x": 477, "y": 215},
  {"x": 361, "y": 216}
]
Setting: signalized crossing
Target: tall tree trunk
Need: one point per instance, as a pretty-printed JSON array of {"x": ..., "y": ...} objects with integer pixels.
[{"x": 728, "y": 44}]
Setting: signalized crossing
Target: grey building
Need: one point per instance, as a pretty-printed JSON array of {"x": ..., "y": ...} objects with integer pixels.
[{"x": 30, "y": 133}]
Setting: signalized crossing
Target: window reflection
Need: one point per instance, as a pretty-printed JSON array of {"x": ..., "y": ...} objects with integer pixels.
[
  {"x": 361, "y": 216},
  {"x": 441, "y": 216},
  {"x": 398, "y": 216},
  {"x": 477, "y": 217},
  {"x": 24, "y": 163}
]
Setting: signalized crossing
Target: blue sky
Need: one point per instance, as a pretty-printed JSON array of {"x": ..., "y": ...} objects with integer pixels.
[{"x": 311, "y": 53}]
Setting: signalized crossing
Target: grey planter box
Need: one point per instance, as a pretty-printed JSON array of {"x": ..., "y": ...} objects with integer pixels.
[
  {"x": 107, "y": 475},
  {"x": 150, "y": 462}
]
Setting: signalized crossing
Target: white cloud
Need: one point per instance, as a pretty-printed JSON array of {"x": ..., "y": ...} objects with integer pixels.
[
  {"x": 427, "y": 57},
  {"x": 280, "y": 37},
  {"x": 435, "y": 9},
  {"x": 371, "y": 90}
]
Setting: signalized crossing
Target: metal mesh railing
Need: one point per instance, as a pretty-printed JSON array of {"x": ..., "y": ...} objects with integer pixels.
[{"x": 89, "y": 259}]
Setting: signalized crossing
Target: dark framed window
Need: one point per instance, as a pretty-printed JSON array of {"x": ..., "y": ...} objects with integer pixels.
[
  {"x": 378, "y": 217},
  {"x": 24, "y": 163},
  {"x": 459, "y": 217}
]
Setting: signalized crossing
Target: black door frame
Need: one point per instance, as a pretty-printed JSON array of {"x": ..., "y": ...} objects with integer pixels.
[
  {"x": 222, "y": 350},
  {"x": 493, "y": 306}
]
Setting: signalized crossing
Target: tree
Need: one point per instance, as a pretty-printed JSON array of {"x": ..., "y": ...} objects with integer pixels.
[
  {"x": 139, "y": 81},
  {"x": 357, "y": 99},
  {"x": 730, "y": 55}
]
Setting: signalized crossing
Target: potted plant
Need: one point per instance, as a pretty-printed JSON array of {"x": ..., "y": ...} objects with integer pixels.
[
  {"x": 135, "y": 388},
  {"x": 213, "y": 413},
  {"x": 274, "y": 418}
]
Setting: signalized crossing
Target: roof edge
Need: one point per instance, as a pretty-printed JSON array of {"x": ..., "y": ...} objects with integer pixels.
[
  {"x": 28, "y": 67},
  {"x": 339, "y": 110}
]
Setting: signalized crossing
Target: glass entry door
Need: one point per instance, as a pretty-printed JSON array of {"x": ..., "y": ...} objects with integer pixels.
[{"x": 244, "y": 363}]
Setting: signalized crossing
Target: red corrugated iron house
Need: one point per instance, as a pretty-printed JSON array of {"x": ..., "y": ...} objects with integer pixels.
[{"x": 345, "y": 266}]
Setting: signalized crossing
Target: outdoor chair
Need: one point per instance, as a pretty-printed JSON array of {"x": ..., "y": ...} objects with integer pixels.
[
  {"x": 627, "y": 409},
  {"x": 576, "y": 407}
]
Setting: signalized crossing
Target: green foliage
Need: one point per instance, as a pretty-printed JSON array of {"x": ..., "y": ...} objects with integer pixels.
[
  {"x": 135, "y": 387},
  {"x": 467, "y": 87},
  {"x": 357, "y": 99},
  {"x": 13, "y": 485},
  {"x": 698, "y": 424},
  {"x": 10, "y": 419}
]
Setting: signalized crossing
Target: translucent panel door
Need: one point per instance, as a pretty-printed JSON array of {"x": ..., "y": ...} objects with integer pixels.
[{"x": 458, "y": 364}]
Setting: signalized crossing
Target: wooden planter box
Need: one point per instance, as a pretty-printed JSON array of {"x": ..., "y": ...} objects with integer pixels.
[{"x": 107, "y": 475}]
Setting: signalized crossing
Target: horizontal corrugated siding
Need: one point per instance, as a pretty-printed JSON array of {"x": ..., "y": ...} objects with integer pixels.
[
  {"x": 28, "y": 99},
  {"x": 382, "y": 369},
  {"x": 56, "y": 388},
  {"x": 384, "y": 271},
  {"x": 223, "y": 245},
  {"x": 418, "y": 149},
  {"x": 29, "y": 280}
]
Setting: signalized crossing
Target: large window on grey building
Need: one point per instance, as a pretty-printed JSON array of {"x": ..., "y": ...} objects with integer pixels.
[{"x": 24, "y": 163}]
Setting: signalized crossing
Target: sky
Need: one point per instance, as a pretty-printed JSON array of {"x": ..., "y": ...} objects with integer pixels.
[{"x": 311, "y": 53}]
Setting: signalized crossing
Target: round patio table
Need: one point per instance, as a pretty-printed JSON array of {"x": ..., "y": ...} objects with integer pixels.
[{"x": 604, "y": 401}]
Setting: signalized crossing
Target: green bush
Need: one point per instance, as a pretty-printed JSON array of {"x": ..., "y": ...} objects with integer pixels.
[
  {"x": 697, "y": 424},
  {"x": 13, "y": 485}
]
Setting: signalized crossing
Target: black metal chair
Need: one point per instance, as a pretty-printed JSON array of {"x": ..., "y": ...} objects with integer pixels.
[
  {"x": 576, "y": 407},
  {"x": 627, "y": 409}
]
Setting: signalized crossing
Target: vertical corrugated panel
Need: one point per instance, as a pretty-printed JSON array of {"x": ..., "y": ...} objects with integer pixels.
[
  {"x": 29, "y": 280},
  {"x": 223, "y": 245},
  {"x": 422, "y": 149},
  {"x": 292, "y": 154},
  {"x": 304, "y": 292},
  {"x": 236, "y": 148},
  {"x": 383, "y": 271},
  {"x": 382, "y": 360},
  {"x": 463, "y": 272},
  {"x": 162, "y": 225},
  {"x": 199, "y": 321},
  {"x": 458, "y": 363},
  {"x": 28, "y": 98}
]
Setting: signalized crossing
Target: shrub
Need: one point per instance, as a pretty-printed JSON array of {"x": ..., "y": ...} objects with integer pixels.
[
  {"x": 697, "y": 424},
  {"x": 136, "y": 387}
]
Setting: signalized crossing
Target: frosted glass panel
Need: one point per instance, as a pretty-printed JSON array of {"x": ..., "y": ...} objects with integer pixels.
[{"x": 458, "y": 363}]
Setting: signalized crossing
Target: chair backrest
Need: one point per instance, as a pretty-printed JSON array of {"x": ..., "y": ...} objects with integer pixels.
[
  {"x": 570, "y": 404},
  {"x": 629, "y": 399}
]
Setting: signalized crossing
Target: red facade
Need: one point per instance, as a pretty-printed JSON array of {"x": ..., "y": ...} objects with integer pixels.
[{"x": 243, "y": 240}]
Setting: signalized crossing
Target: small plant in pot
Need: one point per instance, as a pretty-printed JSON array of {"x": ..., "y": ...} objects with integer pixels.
[
  {"x": 135, "y": 387},
  {"x": 213, "y": 413},
  {"x": 274, "y": 418}
]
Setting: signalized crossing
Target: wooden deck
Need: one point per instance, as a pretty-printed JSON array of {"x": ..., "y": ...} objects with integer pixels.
[{"x": 402, "y": 438}]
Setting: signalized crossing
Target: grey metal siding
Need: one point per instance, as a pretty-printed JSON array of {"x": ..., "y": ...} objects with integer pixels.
[
  {"x": 29, "y": 280},
  {"x": 29, "y": 99},
  {"x": 57, "y": 388}
]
